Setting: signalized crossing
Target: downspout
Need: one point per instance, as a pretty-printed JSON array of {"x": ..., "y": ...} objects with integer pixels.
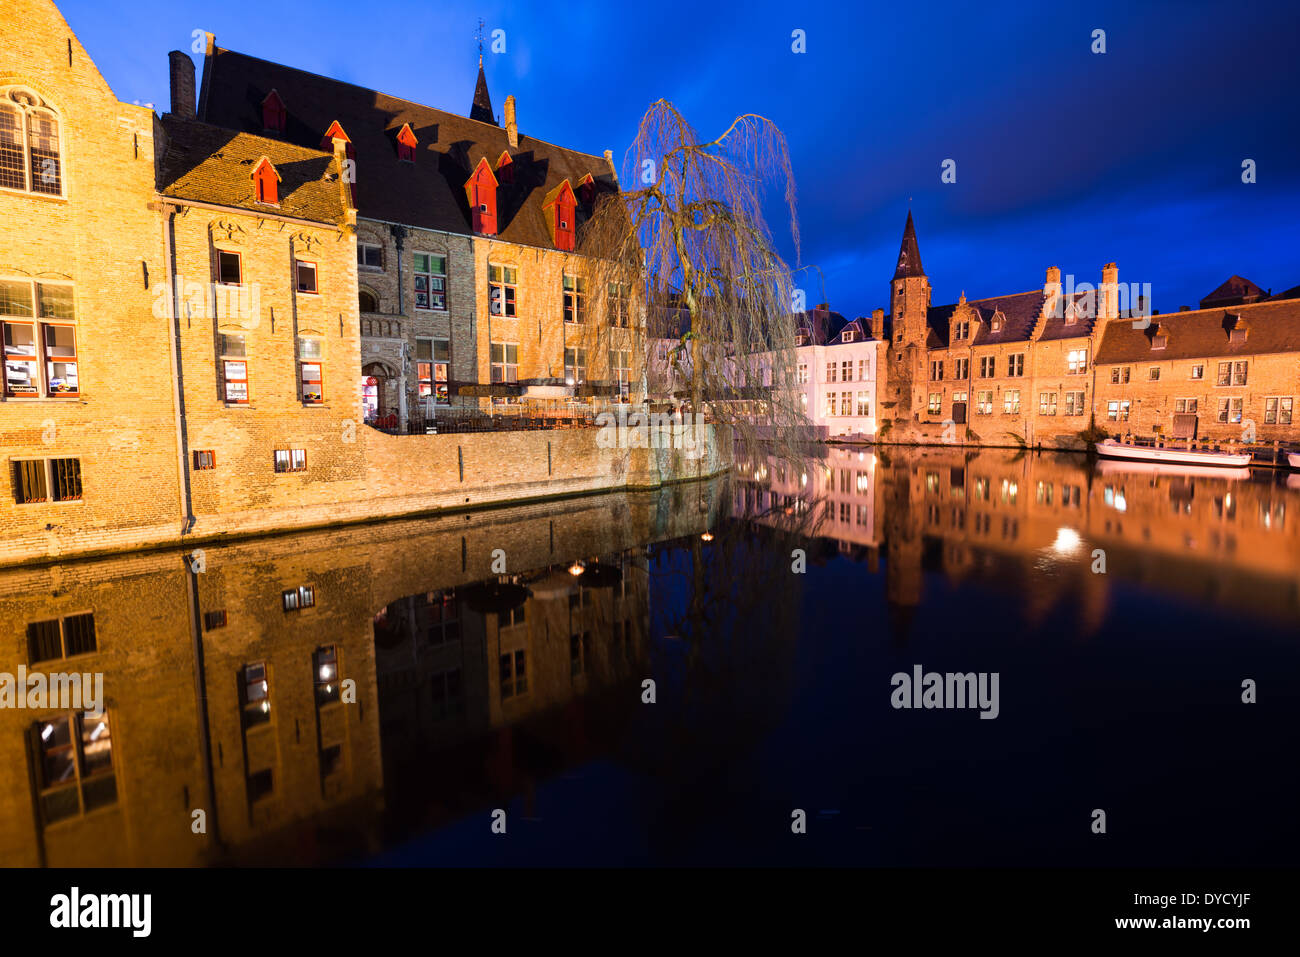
[{"x": 174, "y": 350}]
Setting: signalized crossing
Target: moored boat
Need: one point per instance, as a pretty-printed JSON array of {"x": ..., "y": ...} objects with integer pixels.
[
  {"x": 1151, "y": 453},
  {"x": 1293, "y": 459}
]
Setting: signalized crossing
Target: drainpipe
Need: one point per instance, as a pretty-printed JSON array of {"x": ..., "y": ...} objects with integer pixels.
[{"x": 174, "y": 354}]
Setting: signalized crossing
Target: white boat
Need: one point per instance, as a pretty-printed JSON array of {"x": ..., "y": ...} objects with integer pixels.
[
  {"x": 1171, "y": 469},
  {"x": 1150, "y": 453},
  {"x": 1293, "y": 459}
]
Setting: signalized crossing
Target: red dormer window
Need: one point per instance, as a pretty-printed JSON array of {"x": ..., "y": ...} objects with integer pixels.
[
  {"x": 406, "y": 144},
  {"x": 335, "y": 132},
  {"x": 587, "y": 190},
  {"x": 563, "y": 209},
  {"x": 481, "y": 190},
  {"x": 274, "y": 115},
  {"x": 266, "y": 183},
  {"x": 505, "y": 168}
]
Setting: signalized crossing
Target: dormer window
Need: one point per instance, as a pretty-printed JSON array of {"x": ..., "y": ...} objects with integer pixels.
[
  {"x": 960, "y": 330},
  {"x": 266, "y": 183},
  {"x": 1237, "y": 334},
  {"x": 274, "y": 116},
  {"x": 561, "y": 208},
  {"x": 481, "y": 189},
  {"x": 847, "y": 336},
  {"x": 1071, "y": 314},
  {"x": 587, "y": 190},
  {"x": 801, "y": 339},
  {"x": 406, "y": 144},
  {"x": 505, "y": 168},
  {"x": 995, "y": 324},
  {"x": 335, "y": 132}
]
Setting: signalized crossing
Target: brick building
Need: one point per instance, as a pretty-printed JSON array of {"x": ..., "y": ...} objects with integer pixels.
[{"x": 469, "y": 284}]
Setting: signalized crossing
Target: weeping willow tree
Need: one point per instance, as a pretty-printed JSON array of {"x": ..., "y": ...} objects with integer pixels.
[{"x": 688, "y": 238}]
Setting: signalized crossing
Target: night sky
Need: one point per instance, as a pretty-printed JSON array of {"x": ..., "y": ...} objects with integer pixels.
[{"x": 1064, "y": 157}]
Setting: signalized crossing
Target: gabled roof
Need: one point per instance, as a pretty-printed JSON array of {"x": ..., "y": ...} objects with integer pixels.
[
  {"x": 1234, "y": 290},
  {"x": 429, "y": 193},
  {"x": 481, "y": 107},
  {"x": 208, "y": 164},
  {"x": 1020, "y": 311},
  {"x": 1273, "y": 327}
]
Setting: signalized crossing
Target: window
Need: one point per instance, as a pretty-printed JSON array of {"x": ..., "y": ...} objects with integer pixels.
[
  {"x": 501, "y": 290},
  {"x": 566, "y": 226},
  {"x": 1277, "y": 410},
  {"x": 846, "y": 371},
  {"x": 1077, "y": 362},
  {"x": 832, "y": 372},
  {"x": 620, "y": 369},
  {"x": 205, "y": 461},
  {"x": 1153, "y": 374},
  {"x": 988, "y": 367},
  {"x": 830, "y": 403},
  {"x": 1011, "y": 401},
  {"x": 430, "y": 282},
  {"x": 234, "y": 370},
  {"x": 28, "y": 310},
  {"x": 1047, "y": 403},
  {"x": 296, "y": 599},
  {"x": 936, "y": 370},
  {"x": 30, "y": 157},
  {"x": 1016, "y": 364},
  {"x": 1117, "y": 410},
  {"x": 1232, "y": 373},
  {"x": 984, "y": 403},
  {"x": 846, "y": 403},
  {"x": 864, "y": 403},
  {"x": 74, "y": 764},
  {"x": 432, "y": 364},
  {"x": 575, "y": 299},
  {"x": 961, "y": 330},
  {"x": 325, "y": 669},
  {"x": 274, "y": 115},
  {"x": 213, "y": 620},
  {"x": 255, "y": 694},
  {"x": 60, "y": 638},
  {"x": 1074, "y": 403},
  {"x": 996, "y": 322},
  {"x": 575, "y": 365},
  {"x": 306, "y": 273},
  {"x": 406, "y": 143},
  {"x": 936, "y": 403},
  {"x": 1230, "y": 410},
  {"x": 514, "y": 674},
  {"x": 1185, "y": 405},
  {"x": 291, "y": 460},
  {"x": 46, "y": 480},
  {"x": 370, "y": 256},
  {"x": 618, "y": 296},
  {"x": 961, "y": 368},
  {"x": 229, "y": 268},
  {"x": 801, "y": 374},
  {"x": 1120, "y": 375},
  {"x": 505, "y": 362},
  {"x": 863, "y": 370},
  {"x": 1198, "y": 371},
  {"x": 846, "y": 335}
]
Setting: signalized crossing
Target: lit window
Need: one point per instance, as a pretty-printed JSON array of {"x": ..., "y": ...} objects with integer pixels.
[
  {"x": 310, "y": 371},
  {"x": 575, "y": 365},
  {"x": 306, "y": 277},
  {"x": 1047, "y": 403},
  {"x": 74, "y": 764},
  {"x": 30, "y": 157},
  {"x": 430, "y": 281},
  {"x": 255, "y": 693},
  {"x": 505, "y": 362},
  {"x": 291, "y": 460},
  {"x": 205, "y": 461},
  {"x": 234, "y": 369},
  {"x": 575, "y": 299},
  {"x": 1077, "y": 362},
  {"x": 1011, "y": 401},
  {"x": 325, "y": 669},
  {"x": 46, "y": 480},
  {"x": 296, "y": 599},
  {"x": 22, "y": 304},
  {"x": 502, "y": 281},
  {"x": 936, "y": 403}
]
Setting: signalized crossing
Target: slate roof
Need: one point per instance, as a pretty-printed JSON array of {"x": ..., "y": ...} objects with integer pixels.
[
  {"x": 1234, "y": 291},
  {"x": 909, "y": 254},
  {"x": 481, "y": 108},
  {"x": 209, "y": 164},
  {"x": 1272, "y": 327},
  {"x": 429, "y": 193}
]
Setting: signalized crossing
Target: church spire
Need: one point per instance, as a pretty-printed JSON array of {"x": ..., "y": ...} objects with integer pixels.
[
  {"x": 909, "y": 256},
  {"x": 481, "y": 108}
]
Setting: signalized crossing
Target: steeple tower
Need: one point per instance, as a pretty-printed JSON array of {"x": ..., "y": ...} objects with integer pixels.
[
  {"x": 910, "y": 292},
  {"x": 909, "y": 256},
  {"x": 481, "y": 108}
]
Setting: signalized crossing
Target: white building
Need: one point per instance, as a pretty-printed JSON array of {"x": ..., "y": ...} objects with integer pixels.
[{"x": 837, "y": 368}]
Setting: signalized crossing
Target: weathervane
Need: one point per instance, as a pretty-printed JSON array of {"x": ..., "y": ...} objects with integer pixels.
[{"x": 478, "y": 35}]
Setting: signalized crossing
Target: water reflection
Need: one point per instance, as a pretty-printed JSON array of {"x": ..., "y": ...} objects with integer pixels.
[{"x": 337, "y": 695}]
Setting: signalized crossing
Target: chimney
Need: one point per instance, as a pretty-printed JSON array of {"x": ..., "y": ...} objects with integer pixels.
[
  {"x": 512, "y": 127},
  {"x": 182, "y": 77},
  {"x": 1051, "y": 291},
  {"x": 1108, "y": 308},
  {"x": 878, "y": 324},
  {"x": 345, "y": 188}
]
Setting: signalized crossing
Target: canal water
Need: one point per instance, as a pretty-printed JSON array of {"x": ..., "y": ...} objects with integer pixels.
[{"x": 712, "y": 673}]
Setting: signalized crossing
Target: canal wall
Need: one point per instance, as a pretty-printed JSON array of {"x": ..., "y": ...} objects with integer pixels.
[{"x": 400, "y": 476}]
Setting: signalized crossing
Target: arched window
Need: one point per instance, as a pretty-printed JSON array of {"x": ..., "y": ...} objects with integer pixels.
[
  {"x": 30, "y": 156},
  {"x": 367, "y": 301}
]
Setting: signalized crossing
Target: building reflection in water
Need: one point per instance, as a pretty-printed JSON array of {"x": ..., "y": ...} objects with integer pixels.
[{"x": 323, "y": 696}]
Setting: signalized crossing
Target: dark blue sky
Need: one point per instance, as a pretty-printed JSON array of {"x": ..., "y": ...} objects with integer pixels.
[{"x": 1064, "y": 157}]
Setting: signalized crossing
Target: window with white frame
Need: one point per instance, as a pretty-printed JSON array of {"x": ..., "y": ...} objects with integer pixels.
[
  {"x": 1230, "y": 410},
  {"x": 1074, "y": 403},
  {"x": 1186, "y": 405},
  {"x": 39, "y": 339},
  {"x": 432, "y": 369},
  {"x": 936, "y": 369},
  {"x": 1016, "y": 364},
  {"x": 291, "y": 460},
  {"x": 575, "y": 298},
  {"x": 620, "y": 368},
  {"x": 832, "y": 372},
  {"x": 1153, "y": 374},
  {"x": 575, "y": 365},
  {"x": 988, "y": 367},
  {"x": 830, "y": 403},
  {"x": 1117, "y": 410},
  {"x": 801, "y": 375},
  {"x": 1198, "y": 371},
  {"x": 1277, "y": 410},
  {"x": 1076, "y": 362},
  {"x": 961, "y": 368},
  {"x": 864, "y": 403},
  {"x": 233, "y": 364},
  {"x": 618, "y": 297},
  {"x": 305, "y": 273},
  {"x": 846, "y": 403},
  {"x": 935, "y": 404},
  {"x": 1011, "y": 401},
  {"x": 74, "y": 764},
  {"x": 984, "y": 403},
  {"x": 310, "y": 375},
  {"x": 1232, "y": 373},
  {"x": 430, "y": 274},
  {"x": 30, "y": 153},
  {"x": 1047, "y": 403},
  {"x": 370, "y": 256},
  {"x": 505, "y": 362}
]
